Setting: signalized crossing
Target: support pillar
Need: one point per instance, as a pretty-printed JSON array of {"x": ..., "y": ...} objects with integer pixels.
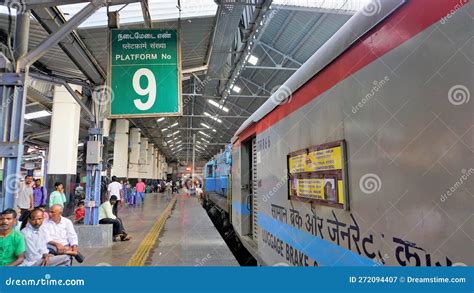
[
  {"x": 63, "y": 141},
  {"x": 134, "y": 155},
  {"x": 12, "y": 114},
  {"x": 120, "y": 166},
  {"x": 160, "y": 166},
  {"x": 142, "y": 169},
  {"x": 155, "y": 164},
  {"x": 150, "y": 159}
]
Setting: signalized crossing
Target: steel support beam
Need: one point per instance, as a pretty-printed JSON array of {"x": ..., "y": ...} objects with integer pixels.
[
  {"x": 313, "y": 9},
  {"x": 12, "y": 122},
  {"x": 34, "y": 4},
  {"x": 51, "y": 19},
  {"x": 254, "y": 84},
  {"x": 230, "y": 96},
  {"x": 57, "y": 80},
  {"x": 78, "y": 99},
  {"x": 205, "y": 143},
  {"x": 57, "y": 36},
  {"x": 265, "y": 45},
  {"x": 270, "y": 67},
  {"x": 146, "y": 13},
  {"x": 194, "y": 69},
  {"x": 220, "y": 116}
]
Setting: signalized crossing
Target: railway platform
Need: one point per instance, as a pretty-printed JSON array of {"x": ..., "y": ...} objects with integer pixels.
[
  {"x": 189, "y": 238},
  {"x": 164, "y": 233}
]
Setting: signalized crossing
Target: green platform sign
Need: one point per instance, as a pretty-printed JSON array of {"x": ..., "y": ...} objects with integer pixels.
[{"x": 144, "y": 73}]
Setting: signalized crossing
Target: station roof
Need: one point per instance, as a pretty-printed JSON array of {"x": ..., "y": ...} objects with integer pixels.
[{"x": 260, "y": 45}]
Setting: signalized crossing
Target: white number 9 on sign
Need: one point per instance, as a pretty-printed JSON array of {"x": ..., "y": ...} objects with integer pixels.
[{"x": 150, "y": 90}]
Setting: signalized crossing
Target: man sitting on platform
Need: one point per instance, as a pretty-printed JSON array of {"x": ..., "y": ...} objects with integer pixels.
[
  {"x": 37, "y": 253},
  {"x": 12, "y": 244},
  {"x": 106, "y": 216},
  {"x": 60, "y": 234}
]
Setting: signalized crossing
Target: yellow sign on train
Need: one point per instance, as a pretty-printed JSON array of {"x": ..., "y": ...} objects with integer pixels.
[
  {"x": 318, "y": 188},
  {"x": 320, "y": 160}
]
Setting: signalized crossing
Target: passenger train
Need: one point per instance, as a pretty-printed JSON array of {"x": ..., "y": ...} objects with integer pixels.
[{"x": 364, "y": 156}]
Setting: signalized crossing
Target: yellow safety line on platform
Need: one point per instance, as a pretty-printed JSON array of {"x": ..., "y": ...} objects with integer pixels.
[{"x": 142, "y": 252}]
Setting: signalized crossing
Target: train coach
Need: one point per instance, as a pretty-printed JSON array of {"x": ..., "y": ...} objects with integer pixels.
[
  {"x": 217, "y": 178},
  {"x": 364, "y": 156}
]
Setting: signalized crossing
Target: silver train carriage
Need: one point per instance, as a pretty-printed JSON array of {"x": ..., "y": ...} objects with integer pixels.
[{"x": 364, "y": 156}]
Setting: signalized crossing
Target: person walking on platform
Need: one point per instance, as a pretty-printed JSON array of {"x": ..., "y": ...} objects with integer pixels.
[
  {"x": 115, "y": 188},
  {"x": 174, "y": 187},
  {"x": 12, "y": 243},
  {"x": 39, "y": 194},
  {"x": 106, "y": 216},
  {"x": 140, "y": 189},
  {"x": 128, "y": 191},
  {"x": 24, "y": 200},
  {"x": 147, "y": 188},
  {"x": 168, "y": 190},
  {"x": 133, "y": 196},
  {"x": 57, "y": 197}
]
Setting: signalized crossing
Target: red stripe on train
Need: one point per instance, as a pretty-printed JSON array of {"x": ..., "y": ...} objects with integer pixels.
[{"x": 411, "y": 19}]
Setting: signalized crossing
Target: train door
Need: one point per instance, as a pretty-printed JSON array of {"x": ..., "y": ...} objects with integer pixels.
[
  {"x": 249, "y": 188},
  {"x": 253, "y": 192}
]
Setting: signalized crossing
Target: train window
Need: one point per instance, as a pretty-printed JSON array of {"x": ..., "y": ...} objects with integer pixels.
[
  {"x": 318, "y": 174},
  {"x": 209, "y": 170}
]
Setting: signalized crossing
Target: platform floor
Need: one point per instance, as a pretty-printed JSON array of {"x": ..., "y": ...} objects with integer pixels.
[
  {"x": 189, "y": 238},
  {"x": 137, "y": 220}
]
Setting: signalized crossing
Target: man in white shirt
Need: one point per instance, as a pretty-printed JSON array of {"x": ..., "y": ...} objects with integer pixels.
[
  {"x": 115, "y": 188},
  {"x": 60, "y": 234},
  {"x": 24, "y": 201},
  {"x": 37, "y": 253},
  {"x": 168, "y": 190},
  {"x": 106, "y": 216}
]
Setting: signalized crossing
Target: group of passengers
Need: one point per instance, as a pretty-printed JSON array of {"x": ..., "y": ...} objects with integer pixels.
[
  {"x": 43, "y": 242},
  {"x": 125, "y": 193},
  {"x": 44, "y": 237}
]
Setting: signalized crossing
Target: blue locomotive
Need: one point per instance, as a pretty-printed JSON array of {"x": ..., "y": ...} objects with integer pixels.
[{"x": 217, "y": 173}]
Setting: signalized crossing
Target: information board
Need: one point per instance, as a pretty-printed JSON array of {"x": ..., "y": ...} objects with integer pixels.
[
  {"x": 317, "y": 174},
  {"x": 144, "y": 73}
]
